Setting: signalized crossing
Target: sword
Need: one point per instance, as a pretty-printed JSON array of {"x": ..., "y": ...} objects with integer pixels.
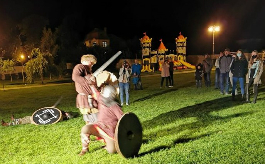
[
  {"x": 57, "y": 102},
  {"x": 107, "y": 63}
]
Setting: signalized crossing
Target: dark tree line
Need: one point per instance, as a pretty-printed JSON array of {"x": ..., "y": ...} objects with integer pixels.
[{"x": 47, "y": 49}]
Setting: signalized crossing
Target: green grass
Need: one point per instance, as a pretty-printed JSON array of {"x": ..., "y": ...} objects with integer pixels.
[{"x": 182, "y": 124}]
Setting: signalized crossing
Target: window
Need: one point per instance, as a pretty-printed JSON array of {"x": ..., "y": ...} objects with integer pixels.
[
  {"x": 104, "y": 44},
  {"x": 94, "y": 43}
]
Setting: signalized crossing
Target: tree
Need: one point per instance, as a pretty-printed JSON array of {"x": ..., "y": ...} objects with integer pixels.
[
  {"x": 36, "y": 65},
  {"x": 8, "y": 67},
  {"x": 1, "y": 66},
  {"x": 49, "y": 48}
]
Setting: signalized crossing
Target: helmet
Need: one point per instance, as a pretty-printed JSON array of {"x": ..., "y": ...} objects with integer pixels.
[{"x": 109, "y": 91}]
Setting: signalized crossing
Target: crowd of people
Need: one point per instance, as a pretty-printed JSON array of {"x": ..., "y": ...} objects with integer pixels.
[{"x": 231, "y": 71}]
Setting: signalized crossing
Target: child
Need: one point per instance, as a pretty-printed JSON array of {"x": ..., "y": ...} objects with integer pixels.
[{"x": 198, "y": 75}]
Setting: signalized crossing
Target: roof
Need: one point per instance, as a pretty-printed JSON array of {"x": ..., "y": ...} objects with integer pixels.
[
  {"x": 162, "y": 46},
  {"x": 97, "y": 34}
]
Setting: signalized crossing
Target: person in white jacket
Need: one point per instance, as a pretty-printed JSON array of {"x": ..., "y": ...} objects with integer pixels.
[{"x": 124, "y": 82}]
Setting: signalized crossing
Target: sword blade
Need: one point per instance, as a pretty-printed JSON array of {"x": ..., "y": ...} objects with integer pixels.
[
  {"x": 57, "y": 102},
  {"x": 107, "y": 63}
]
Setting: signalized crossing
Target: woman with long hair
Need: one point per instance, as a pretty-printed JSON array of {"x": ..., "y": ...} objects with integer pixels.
[
  {"x": 255, "y": 70},
  {"x": 239, "y": 69}
]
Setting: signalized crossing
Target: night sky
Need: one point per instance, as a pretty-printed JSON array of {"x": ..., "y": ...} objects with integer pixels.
[{"x": 242, "y": 22}]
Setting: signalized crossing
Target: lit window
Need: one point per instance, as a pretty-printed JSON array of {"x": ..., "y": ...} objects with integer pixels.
[
  {"x": 104, "y": 44},
  {"x": 94, "y": 43}
]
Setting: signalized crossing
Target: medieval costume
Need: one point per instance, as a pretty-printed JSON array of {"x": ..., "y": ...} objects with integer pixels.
[
  {"x": 83, "y": 78},
  {"x": 109, "y": 114}
]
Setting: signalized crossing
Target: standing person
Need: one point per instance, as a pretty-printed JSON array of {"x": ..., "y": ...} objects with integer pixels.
[
  {"x": 224, "y": 66},
  {"x": 231, "y": 74},
  {"x": 239, "y": 70},
  {"x": 217, "y": 70},
  {"x": 198, "y": 75},
  {"x": 83, "y": 78},
  {"x": 164, "y": 73},
  {"x": 124, "y": 81},
  {"x": 136, "y": 72},
  {"x": 109, "y": 114},
  {"x": 255, "y": 70},
  {"x": 171, "y": 72},
  {"x": 207, "y": 68}
]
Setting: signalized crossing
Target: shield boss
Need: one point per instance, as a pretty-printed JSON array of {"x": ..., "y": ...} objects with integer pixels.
[
  {"x": 46, "y": 115},
  {"x": 128, "y": 134}
]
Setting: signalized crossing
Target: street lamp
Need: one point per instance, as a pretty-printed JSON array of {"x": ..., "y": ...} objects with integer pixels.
[
  {"x": 213, "y": 29},
  {"x": 22, "y": 58}
]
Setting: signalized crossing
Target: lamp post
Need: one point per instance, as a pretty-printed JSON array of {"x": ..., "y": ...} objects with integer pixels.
[
  {"x": 213, "y": 29},
  {"x": 22, "y": 58}
]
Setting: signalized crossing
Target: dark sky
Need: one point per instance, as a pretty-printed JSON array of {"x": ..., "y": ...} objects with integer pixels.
[{"x": 242, "y": 22}]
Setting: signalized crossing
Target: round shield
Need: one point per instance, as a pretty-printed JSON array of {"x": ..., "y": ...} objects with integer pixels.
[
  {"x": 46, "y": 115},
  {"x": 128, "y": 135}
]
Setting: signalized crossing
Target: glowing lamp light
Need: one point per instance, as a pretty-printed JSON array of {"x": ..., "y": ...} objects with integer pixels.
[
  {"x": 22, "y": 56},
  {"x": 214, "y": 29}
]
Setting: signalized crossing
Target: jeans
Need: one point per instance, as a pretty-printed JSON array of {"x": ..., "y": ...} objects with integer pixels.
[
  {"x": 224, "y": 82},
  {"x": 124, "y": 87},
  {"x": 241, "y": 83},
  {"x": 217, "y": 78},
  {"x": 207, "y": 79}
]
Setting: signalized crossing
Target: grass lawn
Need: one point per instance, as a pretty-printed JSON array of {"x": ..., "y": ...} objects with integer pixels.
[{"x": 182, "y": 124}]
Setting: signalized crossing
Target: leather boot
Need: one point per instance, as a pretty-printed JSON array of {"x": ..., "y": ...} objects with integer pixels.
[
  {"x": 247, "y": 93},
  {"x": 255, "y": 93}
]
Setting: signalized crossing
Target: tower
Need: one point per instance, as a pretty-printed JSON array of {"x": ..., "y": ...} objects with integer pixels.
[
  {"x": 146, "y": 45},
  {"x": 181, "y": 46},
  {"x": 146, "y": 50},
  {"x": 161, "y": 52}
]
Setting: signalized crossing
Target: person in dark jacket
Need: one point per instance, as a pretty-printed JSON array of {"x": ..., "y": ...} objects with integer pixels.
[
  {"x": 207, "y": 68},
  {"x": 255, "y": 70},
  {"x": 239, "y": 69},
  {"x": 198, "y": 75},
  {"x": 171, "y": 72}
]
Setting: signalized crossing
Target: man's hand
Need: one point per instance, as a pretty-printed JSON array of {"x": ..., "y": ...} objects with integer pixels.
[{"x": 91, "y": 79}]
